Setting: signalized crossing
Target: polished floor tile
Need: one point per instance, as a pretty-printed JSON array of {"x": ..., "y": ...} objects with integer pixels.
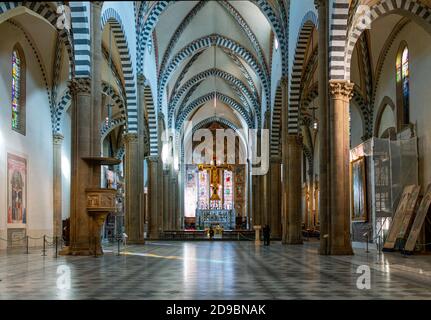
[{"x": 213, "y": 270}]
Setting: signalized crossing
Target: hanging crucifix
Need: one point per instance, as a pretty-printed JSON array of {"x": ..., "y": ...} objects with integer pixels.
[{"x": 215, "y": 176}]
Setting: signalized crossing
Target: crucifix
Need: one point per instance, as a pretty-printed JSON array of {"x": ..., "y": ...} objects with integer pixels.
[{"x": 215, "y": 176}]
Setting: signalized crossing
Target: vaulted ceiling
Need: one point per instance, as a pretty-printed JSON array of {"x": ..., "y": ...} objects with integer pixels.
[{"x": 205, "y": 47}]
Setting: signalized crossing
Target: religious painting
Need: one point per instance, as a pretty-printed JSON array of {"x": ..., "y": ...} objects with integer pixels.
[
  {"x": 17, "y": 189},
  {"x": 419, "y": 220},
  {"x": 405, "y": 206},
  {"x": 359, "y": 190}
]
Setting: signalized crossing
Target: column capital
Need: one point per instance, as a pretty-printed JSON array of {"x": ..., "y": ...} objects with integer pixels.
[
  {"x": 284, "y": 81},
  {"x": 57, "y": 138},
  {"x": 80, "y": 85},
  {"x": 153, "y": 158},
  {"x": 341, "y": 89},
  {"x": 130, "y": 137}
]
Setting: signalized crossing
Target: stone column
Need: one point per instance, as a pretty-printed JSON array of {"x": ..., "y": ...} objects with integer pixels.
[
  {"x": 57, "y": 184},
  {"x": 133, "y": 219},
  {"x": 324, "y": 176},
  {"x": 257, "y": 217},
  {"x": 173, "y": 221},
  {"x": 165, "y": 206},
  {"x": 293, "y": 233},
  {"x": 154, "y": 202},
  {"x": 339, "y": 236},
  {"x": 95, "y": 112},
  {"x": 284, "y": 157},
  {"x": 141, "y": 145},
  {"x": 81, "y": 176},
  {"x": 265, "y": 206},
  {"x": 275, "y": 197}
]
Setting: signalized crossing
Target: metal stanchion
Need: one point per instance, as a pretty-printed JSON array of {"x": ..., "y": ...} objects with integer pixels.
[
  {"x": 56, "y": 247},
  {"x": 118, "y": 243},
  {"x": 44, "y": 246},
  {"x": 367, "y": 243},
  {"x": 26, "y": 243}
]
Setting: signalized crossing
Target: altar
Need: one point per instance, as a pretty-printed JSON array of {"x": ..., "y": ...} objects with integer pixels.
[
  {"x": 214, "y": 197},
  {"x": 206, "y": 218}
]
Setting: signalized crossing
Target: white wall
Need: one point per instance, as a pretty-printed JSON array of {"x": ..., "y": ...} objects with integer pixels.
[
  {"x": 419, "y": 44},
  {"x": 66, "y": 164},
  {"x": 36, "y": 145}
]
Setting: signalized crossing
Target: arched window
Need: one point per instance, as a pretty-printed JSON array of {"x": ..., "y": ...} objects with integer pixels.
[
  {"x": 403, "y": 86},
  {"x": 18, "y": 90}
]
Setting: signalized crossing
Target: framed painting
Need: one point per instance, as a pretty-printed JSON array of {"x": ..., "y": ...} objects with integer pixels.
[
  {"x": 16, "y": 190},
  {"x": 358, "y": 190}
]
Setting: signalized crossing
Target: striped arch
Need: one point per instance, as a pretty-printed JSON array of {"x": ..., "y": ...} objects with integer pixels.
[
  {"x": 248, "y": 33},
  {"x": 182, "y": 115},
  {"x": 184, "y": 71},
  {"x": 198, "y": 78},
  {"x": 337, "y": 38},
  {"x": 306, "y": 29},
  {"x": 203, "y": 43},
  {"x": 120, "y": 153},
  {"x": 113, "y": 18},
  {"x": 152, "y": 120},
  {"x": 45, "y": 11},
  {"x": 60, "y": 109},
  {"x": 107, "y": 128},
  {"x": 108, "y": 90},
  {"x": 309, "y": 96},
  {"x": 282, "y": 35},
  {"x": 366, "y": 113},
  {"x": 414, "y": 8},
  {"x": 276, "y": 123},
  {"x": 179, "y": 31},
  {"x": 145, "y": 28},
  {"x": 81, "y": 38},
  {"x": 219, "y": 120},
  {"x": 244, "y": 72}
]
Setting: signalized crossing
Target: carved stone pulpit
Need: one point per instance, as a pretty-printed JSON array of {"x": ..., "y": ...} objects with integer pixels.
[{"x": 100, "y": 202}]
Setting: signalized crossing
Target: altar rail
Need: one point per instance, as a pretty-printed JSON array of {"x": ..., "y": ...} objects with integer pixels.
[{"x": 245, "y": 235}]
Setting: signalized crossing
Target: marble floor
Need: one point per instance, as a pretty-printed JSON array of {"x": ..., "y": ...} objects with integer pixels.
[{"x": 213, "y": 270}]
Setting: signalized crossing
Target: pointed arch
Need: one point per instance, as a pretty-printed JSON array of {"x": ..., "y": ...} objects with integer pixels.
[
  {"x": 305, "y": 33},
  {"x": 183, "y": 114},
  {"x": 414, "y": 9},
  {"x": 111, "y": 17},
  {"x": 198, "y": 78},
  {"x": 202, "y": 44}
]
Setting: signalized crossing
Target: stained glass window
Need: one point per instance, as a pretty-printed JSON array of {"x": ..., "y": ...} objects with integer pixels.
[
  {"x": 228, "y": 190},
  {"x": 403, "y": 86},
  {"x": 17, "y": 92},
  {"x": 203, "y": 202}
]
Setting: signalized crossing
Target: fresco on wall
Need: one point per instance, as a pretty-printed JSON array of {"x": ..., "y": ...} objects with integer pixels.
[
  {"x": 239, "y": 178},
  {"x": 17, "y": 189}
]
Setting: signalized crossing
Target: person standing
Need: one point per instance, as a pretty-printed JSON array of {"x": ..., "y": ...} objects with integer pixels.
[{"x": 266, "y": 235}]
